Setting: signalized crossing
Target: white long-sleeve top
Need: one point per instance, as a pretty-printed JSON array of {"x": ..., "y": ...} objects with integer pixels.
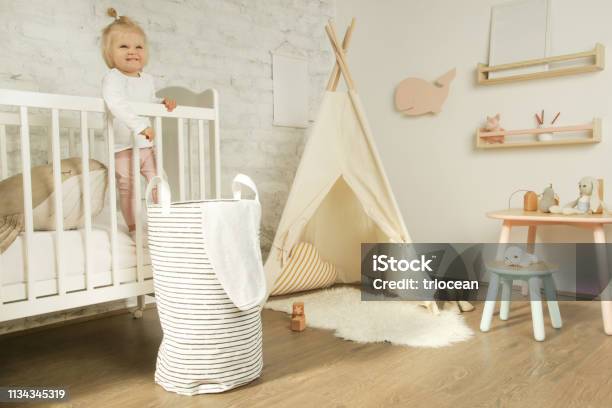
[{"x": 117, "y": 90}]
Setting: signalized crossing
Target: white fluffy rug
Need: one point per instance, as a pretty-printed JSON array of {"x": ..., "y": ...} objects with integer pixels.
[{"x": 403, "y": 323}]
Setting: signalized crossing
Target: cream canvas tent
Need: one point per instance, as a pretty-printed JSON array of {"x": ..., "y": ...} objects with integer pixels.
[{"x": 340, "y": 195}]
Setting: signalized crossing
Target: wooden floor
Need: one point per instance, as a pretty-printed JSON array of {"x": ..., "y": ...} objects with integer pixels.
[{"x": 110, "y": 363}]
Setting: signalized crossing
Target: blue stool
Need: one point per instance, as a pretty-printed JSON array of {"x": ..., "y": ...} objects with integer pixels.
[{"x": 505, "y": 275}]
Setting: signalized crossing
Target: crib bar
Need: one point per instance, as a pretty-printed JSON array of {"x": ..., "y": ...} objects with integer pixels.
[
  {"x": 201, "y": 159},
  {"x": 85, "y": 146},
  {"x": 159, "y": 146},
  {"x": 49, "y": 143},
  {"x": 92, "y": 140},
  {"x": 3, "y": 155},
  {"x": 215, "y": 154},
  {"x": 77, "y": 103},
  {"x": 27, "y": 201},
  {"x": 181, "y": 159},
  {"x": 137, "y": 206},
  {"x": 58, "y": 205},
  {"x": 112, "y": 198},
  {"x": 71, "y": 143}
]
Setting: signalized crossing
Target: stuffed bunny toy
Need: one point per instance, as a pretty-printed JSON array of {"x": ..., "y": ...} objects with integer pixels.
[
  {"x": 587, "y": 203},
  {"x": 493, "y": 125}
]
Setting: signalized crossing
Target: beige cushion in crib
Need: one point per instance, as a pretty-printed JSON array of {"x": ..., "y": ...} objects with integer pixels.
[
  {"x": 304, "y": 271},
  {"x": 11, "y": 193},
  {"x": 11, "y": 198},
  {"x": 72, "y": 202}
]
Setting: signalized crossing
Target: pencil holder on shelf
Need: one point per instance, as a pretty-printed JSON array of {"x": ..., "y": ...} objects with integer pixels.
[{"x": 544, "y": 137}]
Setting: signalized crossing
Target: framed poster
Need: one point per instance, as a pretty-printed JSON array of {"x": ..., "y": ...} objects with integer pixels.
[
  {"x": 520, "y": 30},
  {"x": 290, "y": 87}
]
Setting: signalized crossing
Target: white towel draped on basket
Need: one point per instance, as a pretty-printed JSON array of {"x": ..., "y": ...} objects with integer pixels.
[
  {"x": 209, "y": 345},
  {"x": 232, "y": 228}
]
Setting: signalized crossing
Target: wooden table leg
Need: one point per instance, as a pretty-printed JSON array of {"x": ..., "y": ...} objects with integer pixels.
[
  {"x": 599, "y": 236},
  {"x": 531, "y": 239},
  {"x": 504, "y": 238}
]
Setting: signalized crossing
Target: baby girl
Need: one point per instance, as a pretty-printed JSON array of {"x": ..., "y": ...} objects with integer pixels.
[{"x": 124, "y": 48}]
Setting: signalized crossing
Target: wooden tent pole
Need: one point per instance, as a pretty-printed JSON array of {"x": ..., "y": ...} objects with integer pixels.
[
  {"x": 365, "y": 128},
  {"x": 334, "y": 78},
  {"x": 363, "y": 124},
  {"x": 340, "y": 59},
  {"x": 345, "y": 44}
]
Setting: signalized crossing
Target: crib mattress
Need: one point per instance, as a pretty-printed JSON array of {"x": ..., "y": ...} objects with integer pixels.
[{"x": 44, "y": 269}]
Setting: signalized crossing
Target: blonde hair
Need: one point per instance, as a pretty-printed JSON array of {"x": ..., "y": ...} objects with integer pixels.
[{"x": 121, "y": 24}]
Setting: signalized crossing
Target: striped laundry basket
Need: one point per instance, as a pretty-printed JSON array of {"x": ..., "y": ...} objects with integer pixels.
[{"x": 209, "y": 345}]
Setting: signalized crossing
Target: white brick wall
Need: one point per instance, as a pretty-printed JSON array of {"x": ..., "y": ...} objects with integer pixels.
[{"x": 53, "y": 46}]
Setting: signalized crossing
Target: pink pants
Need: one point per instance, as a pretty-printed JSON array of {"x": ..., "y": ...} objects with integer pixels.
[{"x": 125, "y": 179}]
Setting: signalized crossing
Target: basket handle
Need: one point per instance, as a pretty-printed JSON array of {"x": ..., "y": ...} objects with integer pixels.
[
  {"x": 243, "y": 180},
  {"x": 163, "y": 193}
]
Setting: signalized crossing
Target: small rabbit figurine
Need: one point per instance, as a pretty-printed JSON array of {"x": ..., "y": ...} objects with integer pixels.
[
  {"x": 492, "y": 125},
  {"x": 548, "y": 199}
]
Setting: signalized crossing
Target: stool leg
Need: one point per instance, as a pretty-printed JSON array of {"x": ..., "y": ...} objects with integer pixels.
[
  {"x": 551, "y": 299},
  {"x": 537, "y": 316},
  {"x": 524, "y": 288},
  {"x": 489, "y": 307},
  {"x": 504, "y": 310},
  {"x": 606, "y": 313}
]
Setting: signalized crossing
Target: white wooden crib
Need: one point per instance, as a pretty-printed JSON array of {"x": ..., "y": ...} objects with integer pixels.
[{"x": 30, "y": 294}]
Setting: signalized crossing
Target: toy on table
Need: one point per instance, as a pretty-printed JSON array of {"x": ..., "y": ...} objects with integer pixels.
[
  {"x": 588, "y": 202},
  {"x": 548, "y": 199},
  {"x": 530, "y": 201},
  {"x": 298, "y": 318},
  {"x": 492, "y": 125},
  {"x": 515, "y": 256}
]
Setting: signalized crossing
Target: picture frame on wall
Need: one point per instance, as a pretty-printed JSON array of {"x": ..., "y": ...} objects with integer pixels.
[
  {"x": 520, "y": 31},
  {"x": 290, "y": 83}
]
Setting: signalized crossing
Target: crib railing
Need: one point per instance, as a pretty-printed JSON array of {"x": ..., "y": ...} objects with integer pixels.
[{"x": 25, "y": 101}]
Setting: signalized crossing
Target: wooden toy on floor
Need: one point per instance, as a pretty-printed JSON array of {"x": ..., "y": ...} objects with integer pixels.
[{"x": 298, "y": 318}]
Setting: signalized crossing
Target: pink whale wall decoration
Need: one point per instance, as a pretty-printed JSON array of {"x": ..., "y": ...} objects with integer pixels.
[{"x": 415, "y": 96}]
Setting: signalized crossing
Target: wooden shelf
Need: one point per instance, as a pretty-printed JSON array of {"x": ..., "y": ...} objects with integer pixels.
[
  {"x": 593, "y": 129},
  {"x": 596, "y": 63}
]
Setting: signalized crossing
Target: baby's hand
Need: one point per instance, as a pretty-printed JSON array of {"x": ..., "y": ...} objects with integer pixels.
[
  {"x": 149, "y": 134},
  {"x": 170, "y": 104}
]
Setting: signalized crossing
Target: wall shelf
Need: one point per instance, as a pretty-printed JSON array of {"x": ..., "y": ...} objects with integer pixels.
[
  {"x": 592, "y": 129},
  {"x": 595, "y": 57}
]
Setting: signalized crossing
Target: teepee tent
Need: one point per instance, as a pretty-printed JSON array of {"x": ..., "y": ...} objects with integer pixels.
[{"x": 340, "y": 196}]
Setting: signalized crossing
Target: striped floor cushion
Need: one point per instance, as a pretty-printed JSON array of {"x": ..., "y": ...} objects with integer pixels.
[
  {"x": 304, "y": 271},
  {"x": 209, "y": 345}
]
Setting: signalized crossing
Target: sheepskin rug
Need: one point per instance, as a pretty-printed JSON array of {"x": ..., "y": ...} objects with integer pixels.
[{"x": 402, "y": 323}]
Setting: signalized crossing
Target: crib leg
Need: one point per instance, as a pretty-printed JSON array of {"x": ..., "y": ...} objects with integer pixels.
[{"x": 137, "y": 313}]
